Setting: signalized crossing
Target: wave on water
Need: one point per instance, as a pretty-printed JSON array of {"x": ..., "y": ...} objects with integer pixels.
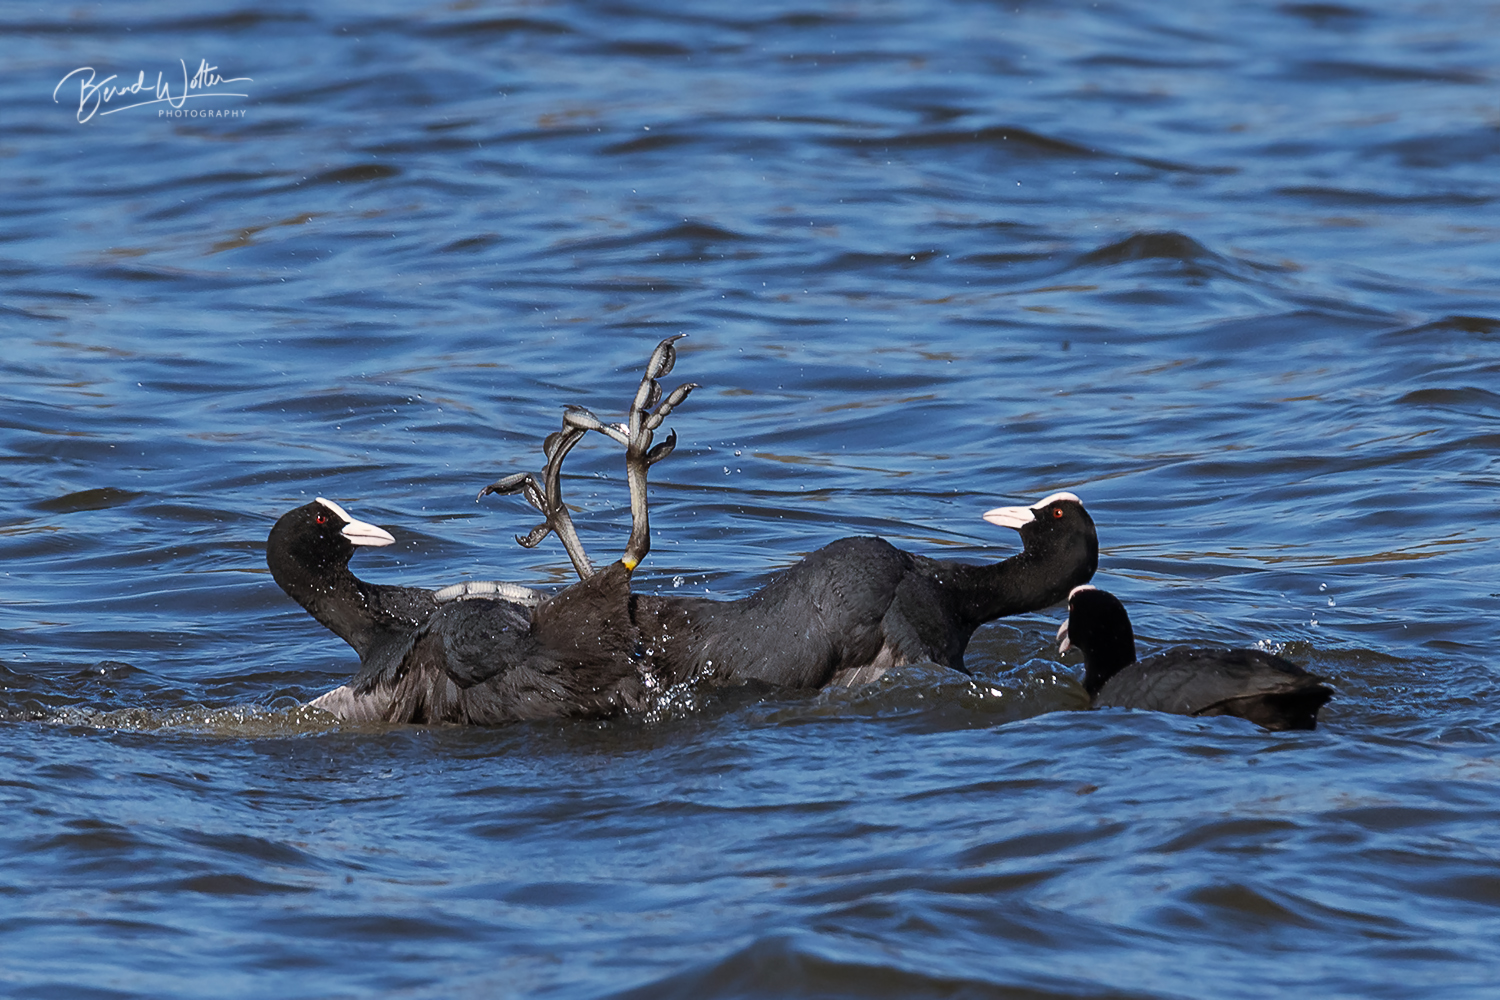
[
  {"x": 113, "y": 695},
  {"x": 235, "y": 721},
  {"x": 1010, "y": 682}
]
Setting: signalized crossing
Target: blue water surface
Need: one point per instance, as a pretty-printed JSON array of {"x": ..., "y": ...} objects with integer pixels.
[{"x": 1227, "y": 272}]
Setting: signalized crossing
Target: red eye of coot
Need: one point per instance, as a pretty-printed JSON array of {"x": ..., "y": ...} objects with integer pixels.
[
  {"x": 1057, "y": 512},
  {"x": 322, "y": 518}
]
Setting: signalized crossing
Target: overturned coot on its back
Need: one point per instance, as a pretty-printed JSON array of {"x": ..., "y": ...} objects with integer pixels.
[
  {"x": 482, "y": 662},
  {"x": 1265, "y": 689}
]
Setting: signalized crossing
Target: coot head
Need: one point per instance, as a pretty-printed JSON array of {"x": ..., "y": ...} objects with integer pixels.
[
  {"x": 1055, "y": 529},
  {"x": 1099, "y": 627},
  {"x": 317, "y": 540}
]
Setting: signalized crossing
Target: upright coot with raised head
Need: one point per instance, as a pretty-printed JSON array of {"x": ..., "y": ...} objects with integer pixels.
[
  {"x": 1268, "y": 690},
  {"x": 860, "y": 606}
]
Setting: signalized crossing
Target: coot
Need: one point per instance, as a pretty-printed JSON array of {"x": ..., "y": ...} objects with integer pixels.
[{"x": 1268, "y": 690}]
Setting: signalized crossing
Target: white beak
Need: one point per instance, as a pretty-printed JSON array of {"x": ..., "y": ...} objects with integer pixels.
[
  {"x": 1010, "y": 517},
  {"x": 1063, "y": 645},
  {"x": 360, "y": 533}
]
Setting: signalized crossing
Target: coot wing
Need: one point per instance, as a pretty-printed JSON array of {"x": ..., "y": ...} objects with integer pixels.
[
  {"x": 478, "y": 639},
  {"x": 494, "y": 667}
]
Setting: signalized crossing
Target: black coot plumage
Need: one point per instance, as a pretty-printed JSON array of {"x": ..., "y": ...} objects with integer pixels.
[
  {"x": 495, "y": 652},
  {"x": 1265, "y": 689}
]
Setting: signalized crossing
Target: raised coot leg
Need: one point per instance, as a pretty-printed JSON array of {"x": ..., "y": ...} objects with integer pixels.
[
  {"x": 547, "y": 498},
  {"x": 647, "y": 411},
  {"x": 635, "y": 435},
  {"x": 639, "y": 453}
]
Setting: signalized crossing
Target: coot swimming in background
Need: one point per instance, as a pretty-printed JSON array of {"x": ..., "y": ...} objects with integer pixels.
[
  {"x": 1267, "y": 690},
  {"x": 488, "y": 653}
]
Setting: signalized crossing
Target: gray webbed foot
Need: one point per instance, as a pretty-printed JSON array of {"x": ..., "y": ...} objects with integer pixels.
[
  {"x": 647, "y": 411},
  {"x": 646, "y": 414},
  {"x": 546, "y": 497}
]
